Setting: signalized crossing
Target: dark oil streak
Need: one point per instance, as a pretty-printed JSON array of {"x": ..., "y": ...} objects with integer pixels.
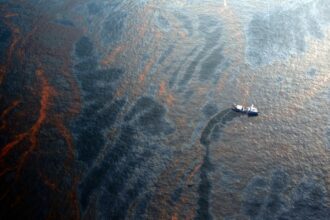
[
  {"x": 69, "y": 164},
  {"x": 6, "y": 112},
  {"x": 24, "y": 50},
  {"x": 46, "y": 93},
  {"x": 204, "y": 188},
  {"x": 10, "y": 51}
]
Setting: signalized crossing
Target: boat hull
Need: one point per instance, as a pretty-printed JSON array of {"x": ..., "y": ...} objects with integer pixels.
[{"x": 250, "y": 111}]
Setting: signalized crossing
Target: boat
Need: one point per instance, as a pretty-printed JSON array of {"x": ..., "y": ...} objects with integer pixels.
[
  {"x": 250, "y": 111},
  {"x": 238, "y": 108}
]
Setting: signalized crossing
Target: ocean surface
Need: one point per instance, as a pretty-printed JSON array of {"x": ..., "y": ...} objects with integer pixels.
[{"x": 120, "y": 109}]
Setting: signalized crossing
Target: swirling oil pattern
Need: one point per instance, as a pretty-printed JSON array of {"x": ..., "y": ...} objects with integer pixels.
[{"x": 120, "y": 109}]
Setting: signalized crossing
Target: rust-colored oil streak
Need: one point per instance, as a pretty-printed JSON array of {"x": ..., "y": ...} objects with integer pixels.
[
  {"x": 9, "y": 109},
  {"x": 146, "y": 70},
  {"x": 27, "y": 47},
  {"x": 10, "y": 14},
  {"x": 52, "y": 185},
  {"x": 194, "y": 172},
  {"x": 113, "y": 55},
  {"x": 174, "y": 217},
  {"x": 162, "y": 88},
  {"x": 165, "y": 94},
  {"x": 8, "y": 147},
  {"x": 169, "y": 182},
  {"x": 46, "y": 94},
  {"x": 184, "y": 199},
  {"x": 4, "y": 114},
  {"x": 72, "y": 194}
]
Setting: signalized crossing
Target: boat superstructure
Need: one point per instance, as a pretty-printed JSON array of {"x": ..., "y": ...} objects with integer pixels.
[{"x": 250, "y": 110}]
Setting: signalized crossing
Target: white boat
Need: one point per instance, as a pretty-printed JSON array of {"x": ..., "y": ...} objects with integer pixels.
[
  {"x": 238, "y": 108},
  {"x": 250, "y": 111}
]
